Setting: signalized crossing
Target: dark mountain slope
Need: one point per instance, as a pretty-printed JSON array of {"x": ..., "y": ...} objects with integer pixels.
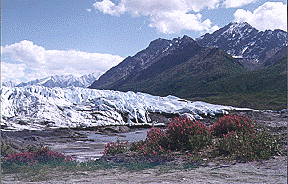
[
  {"x": 261, "y": 89},
  {"x": 187, "y": 69},
  {"x": 278, "y": 55},
  {"x": 156, "y": 50},
  {"x": 183, "y": 72}
]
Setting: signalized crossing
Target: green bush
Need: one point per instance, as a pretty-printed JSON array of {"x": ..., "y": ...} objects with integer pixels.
[
  {"x": 182, "y": 134},
  {"x": 247, "y": 146},
  {"x": 235, "y": 137}
]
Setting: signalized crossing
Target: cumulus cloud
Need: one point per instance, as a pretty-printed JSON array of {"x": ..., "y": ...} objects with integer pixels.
[
  {"x": 36, "y": 62},
  {"x": 271, "y": 15},
  {"x": 166, "y": 16},
  {"x": 176, "y": 21},
  {"x": 14, "y": 72},
  {"x": 234, "y": 4}
]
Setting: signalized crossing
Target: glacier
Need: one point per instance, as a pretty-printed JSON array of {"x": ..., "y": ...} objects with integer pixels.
[{"x": 39, "y": 107}]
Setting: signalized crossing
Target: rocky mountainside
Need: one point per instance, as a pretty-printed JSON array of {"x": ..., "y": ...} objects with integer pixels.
[
  {"x": 9, "y": 84},
  {"x": 156, "y": 50},
  {"x": 241, "y": 40},
  {"x": 166, "y": 67},
  {"x": 282, "y": 53},
  {"x": 185, "y": 68},
  {"x": 264, "y": 88},
  {"x": 63, "y": 81},
  {"x": 252, "y": 48}
]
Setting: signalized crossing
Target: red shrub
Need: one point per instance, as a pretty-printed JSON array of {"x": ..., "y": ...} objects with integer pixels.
[
  {"x": 44, "y": 155},
  {"x": 185, "y": 134},
  {"x": 155, "y": 143},
  {"x": 115, "y": 148},
  {"x": 232, "y": 123}
]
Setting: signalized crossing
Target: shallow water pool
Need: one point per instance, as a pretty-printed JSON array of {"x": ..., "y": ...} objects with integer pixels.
[{"x": 91, "y": 148}]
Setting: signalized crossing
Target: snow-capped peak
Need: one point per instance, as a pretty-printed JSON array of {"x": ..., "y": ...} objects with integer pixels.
[
  {"x": 238, "y": 28},
  {"x": 64, "y": 81},
  {"x": 9, "y": 84},
  {"x": 241, "y": 40}
]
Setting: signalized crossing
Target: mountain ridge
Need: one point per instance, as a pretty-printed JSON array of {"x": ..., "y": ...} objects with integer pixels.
[
  {"x": 63, "y": 81},
  {"x": 156, "y": 50},
  {"x": 185, "y": 68},
  {"x": 183, "y": 55},
  {"x": 241, "y": 40}
]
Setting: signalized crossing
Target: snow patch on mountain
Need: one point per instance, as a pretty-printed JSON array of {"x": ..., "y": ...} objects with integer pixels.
[
  {"x": 9, "y": 84},
  {"x": 241, "y": 40},
  {"x": 38, "y": 107},
  {"x": 63, "y": 81}
]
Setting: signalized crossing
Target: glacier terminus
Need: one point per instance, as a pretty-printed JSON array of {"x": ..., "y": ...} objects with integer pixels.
[{"x": 39, "y": 107}]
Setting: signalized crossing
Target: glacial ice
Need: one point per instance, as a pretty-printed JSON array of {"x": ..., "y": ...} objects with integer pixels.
[{"x": 38, "y": 107}]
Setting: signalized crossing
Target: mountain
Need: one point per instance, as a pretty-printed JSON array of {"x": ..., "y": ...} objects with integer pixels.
[
  {"x": 156, "y": 50},
  {"x": 180, "y": 67},
  {"x": 264, "y": 88},
  {"x": 9, "y": 84},
  {"x": 282, "y": 53},
  {"x": 38, "y": 108},
  {"x": 63, "y": 81},
  {"x": 241, "y": 40},
  {"x": 202, "y": 70}
]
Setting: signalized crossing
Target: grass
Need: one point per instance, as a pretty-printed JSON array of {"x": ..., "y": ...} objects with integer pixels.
[
  {"x": 42, "y": 173},
  {"x": 46, "y": 172},
  {"x": 264, "y": 89},
  {"x": 267, "y": 100}
]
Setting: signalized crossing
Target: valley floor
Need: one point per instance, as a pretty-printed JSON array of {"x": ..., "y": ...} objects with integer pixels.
[
  {"x": 270, "y": 171},
  {"x": 65, "y": 141}
]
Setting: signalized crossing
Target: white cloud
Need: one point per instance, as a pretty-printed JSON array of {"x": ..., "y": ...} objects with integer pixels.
[
  {"x": 214, "y": 28},
  {"x": 166, "y": 16},
  {"x": 237, "y": 3},
  {"x": 271, "y": 15},
  {"x": 108, "y": 7},
  {"x": 89, "y": 10},
  {"x": 176, "y": 21},
  {"x": 13, "y": 72},
  {"x": 37, "y": 62},
  {"x": 25, "y": 51}
]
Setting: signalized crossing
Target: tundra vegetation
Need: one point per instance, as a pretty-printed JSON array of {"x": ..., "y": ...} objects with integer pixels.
[{"x": 185, "y": 143}]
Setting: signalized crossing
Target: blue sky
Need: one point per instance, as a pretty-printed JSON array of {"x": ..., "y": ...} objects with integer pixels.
[{"x": 40, "y": 38}]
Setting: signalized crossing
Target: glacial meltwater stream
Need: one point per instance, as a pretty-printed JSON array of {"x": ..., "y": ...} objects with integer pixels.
[{"x": 91, "y": 148}]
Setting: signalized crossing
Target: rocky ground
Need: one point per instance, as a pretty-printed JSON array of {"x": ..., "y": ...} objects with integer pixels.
[
  {"x": 70, "y": 141},
  {"x": 270, "y": 171}
]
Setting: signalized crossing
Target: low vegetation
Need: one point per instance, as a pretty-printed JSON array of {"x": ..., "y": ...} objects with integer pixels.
[
  {"x": 264, "y": 100},
  {"x": 43, "y": 156},
  {"x": 232, "y": 137},
  {"x": 260, "y": 89}
]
